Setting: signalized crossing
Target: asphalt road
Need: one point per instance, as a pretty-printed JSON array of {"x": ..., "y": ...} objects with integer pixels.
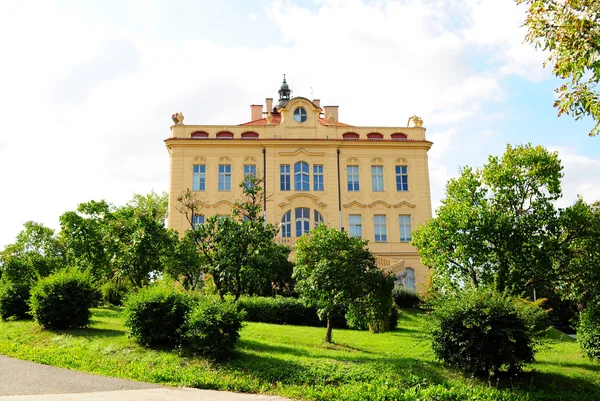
[{"x": 28, "y": 381}]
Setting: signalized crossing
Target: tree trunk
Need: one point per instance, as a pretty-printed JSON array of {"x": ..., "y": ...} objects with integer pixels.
[{"x": 328, "y": 334}]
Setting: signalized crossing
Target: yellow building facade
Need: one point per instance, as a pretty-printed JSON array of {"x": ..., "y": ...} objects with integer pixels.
[{"x": 371, "y": 181}]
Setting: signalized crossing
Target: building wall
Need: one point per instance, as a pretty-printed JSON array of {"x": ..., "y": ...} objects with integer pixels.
[{"x": 316, "y": 144}]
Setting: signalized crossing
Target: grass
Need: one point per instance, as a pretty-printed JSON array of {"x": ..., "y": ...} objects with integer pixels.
[{"x": 294, "y": 362}]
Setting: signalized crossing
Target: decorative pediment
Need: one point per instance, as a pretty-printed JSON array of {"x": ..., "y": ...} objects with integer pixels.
[
  {"x": 225, "y": 158},
  {"x": 379, "y": 202},
  {"x": 355, "y": 203},
  {"x": 352, "y": 160},
  {"x": 301, "y": 151},
  {"x": 377, "y": 160},
  {"x": 289, "y": 200},
  {"x": 199, "y": 159},
  {"x": 222, "y": 202},
  {"x": 249, "y": 159},
  {"x": 405, "y": 203},
  {"x": 401, "y": 160}
]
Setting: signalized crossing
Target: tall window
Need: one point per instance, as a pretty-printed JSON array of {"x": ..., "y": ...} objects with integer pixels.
[
  {"x": 284, "y": 177},
  {"x": 197, "y": 220},
  {"x": 224, "y": 177},
  {"x": 318, "y": 177},
  {"x": 302, "y": 221},
  {"x": 249, "y": 171},
  {"x": 355, "y": 225},
  {"x": 199, "y": 178},
  {"x": 405, "y": 228},
  {"x": 380, "y": 229},
  {"x": 353, "y": 182},
  {"x": 301, "y": 177},
  {"x": 286, "y": 224},
  {"x": 401, "y": 178},
  {"x": 377, "y": 178},
  {"x": 318, "y": 217},
  {"x": 409, "y": 279}
]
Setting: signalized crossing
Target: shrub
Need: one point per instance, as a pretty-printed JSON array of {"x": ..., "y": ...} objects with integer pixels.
[
  {"x": 481, "y": 332},
  {"x": 588, "y": 332},
  {"x": 393, "y": 317},
  {"x": 13, "y": 300},
  {"x": 155, "y": 315},
  {"x": 114, "y": 293},
  {"x": 213, "y": 327},
  {"x": 405, "y": 298},
  {"x": 63, "y": 300}
]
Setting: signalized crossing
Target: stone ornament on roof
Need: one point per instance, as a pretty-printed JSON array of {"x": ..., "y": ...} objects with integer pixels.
[
  {"x": 177, "y": 118},
  {"x": 269, "y": 118},
  {"x": 415, "y": 121},
  {"x": 331, "y": 119}
]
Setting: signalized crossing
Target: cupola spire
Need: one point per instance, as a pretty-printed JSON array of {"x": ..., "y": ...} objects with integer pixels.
[{"x": 284, "y": 94}]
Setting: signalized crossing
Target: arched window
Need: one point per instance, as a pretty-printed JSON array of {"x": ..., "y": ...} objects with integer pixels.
[
  {"x": 398, "y": 136},
  {"x": 302, "y": 221},
  {"x": 375, "y": 135},
  {"x": 301, "y": 182},
  {"x": 350, "y": 135},
  {"x": 318, "y": 217},
  {"x": 409, "y": 279},
  {"x": 199, "y": 135},
  {"x": 249, "y": 135},
  {"x": 224, "y": 135},
  {"x": 286, "y": 224}
]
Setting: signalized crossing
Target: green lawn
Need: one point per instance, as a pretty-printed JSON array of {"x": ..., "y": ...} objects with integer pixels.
[{"x": 294, "y": 362}]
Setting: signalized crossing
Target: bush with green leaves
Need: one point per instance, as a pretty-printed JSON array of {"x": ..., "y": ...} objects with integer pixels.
[
  {"x": 63, "y": 300},
  {"x": 372, "y": 309},
  {"x": 213, "y": 327},
  {"x": 405, "y": 298},
  {"x": 155, "y": 315},
  {"x": 588, "y": 332},
  {"x": 14, "y": 297},
  {"x": 113, "y": 293},
  {"x": 481, "y": 332}
]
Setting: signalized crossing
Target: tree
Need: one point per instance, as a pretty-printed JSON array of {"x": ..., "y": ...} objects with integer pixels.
[
  {"x": 330, "y": 269},
  {"x": 570, "y": 31},
  {"x": 228, "y": 245},
  {"x": 497, "y": 225}
]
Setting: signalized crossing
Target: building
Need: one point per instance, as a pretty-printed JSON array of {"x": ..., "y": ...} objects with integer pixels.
[{"x": 372, "y": 181}]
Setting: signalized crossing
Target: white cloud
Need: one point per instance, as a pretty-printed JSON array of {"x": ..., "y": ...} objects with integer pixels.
[{"x": 581, "y": 176}]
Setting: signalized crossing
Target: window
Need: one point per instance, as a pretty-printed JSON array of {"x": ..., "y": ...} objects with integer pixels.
[
  {"x": 377, "y": 178},
  {"x": 249, "y": 135},
  {"x": 199, "y": 178},
  {"x": 398, "y": 137},
  {"x": 224, "y": 135},
  {"x": 409, "y": 279},
  {"x": 375, "y": 136},
  {"x": 380, "y": 229},
  {"x": 301, "y": 177},
  {"x": 405, "y": 228},
  {"x": 350, "y": 136},
  {"x": 197, "y": 220},
  {"x": 318, "y": 217},
  {"x": 300, "y": 115},
  {"x": 199, "y": 135},
  {"x": 401, "y": 178},
  {"x": 318, "y": 177},
  {"x": 284, "y": 177},
  {"x": 224, "y": 177},
  {"x": 353, "y": 182},
  {"x": 355, "y": 225},
  {"x": 249, "y": 170},
  {"x": 286, "y": 224},
  {"x": 302, "y": 221}
]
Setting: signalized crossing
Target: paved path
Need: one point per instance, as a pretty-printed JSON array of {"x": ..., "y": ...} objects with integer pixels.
[{"x": 28, "y": 381}]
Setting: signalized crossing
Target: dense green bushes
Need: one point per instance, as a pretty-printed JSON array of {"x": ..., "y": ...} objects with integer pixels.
[
  {"x": 213, "y": 327},
  {"x": 405, "y": 298},
  {"x": 156, "y": 315},
  {"x": 13, "y": 300},
  {"x": 63, "y": 300},
  {"x": 114, "y": 293},
  {"x": 588, "y": 332},
  {"x": 483, "y": 332}
]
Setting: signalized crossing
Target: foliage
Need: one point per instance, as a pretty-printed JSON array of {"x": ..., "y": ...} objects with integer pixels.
[
  {"x": 213, "y": 327},
  {"x": 63, "y": 300},
  {"x": 184, "y": 263},
  {"x": 331, "y": 270},
  {"x": 228, "y": 245},
  {"x": 480, "y": 331},
  {"x": 114, "y": 292},
  {"x": 156, "y": 314},
  {"x": 497, "y": 225},
  {"x": 570, "y": 31},
  {"x": 535, "y": 317},
  {"x": 588, "y": 332},
  {"x": 13, "y": 300},
  {"x": 405, "y": 298},
  {"x": 152, "y": 204},
  {"x": 372, "y": 309},
  {"x": 269, "y": 272}
]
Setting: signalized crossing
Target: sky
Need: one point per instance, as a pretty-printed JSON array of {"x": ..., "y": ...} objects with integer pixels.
[{"x": 87, "y": 88}]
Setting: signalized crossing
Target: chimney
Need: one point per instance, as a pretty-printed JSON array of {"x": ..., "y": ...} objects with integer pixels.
[
  {"x": 269, "y": 103},
  {"x": 317, "y": 102},
  {"x": 256, "y": 111},
  {"x": 333, "y": 110}
]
